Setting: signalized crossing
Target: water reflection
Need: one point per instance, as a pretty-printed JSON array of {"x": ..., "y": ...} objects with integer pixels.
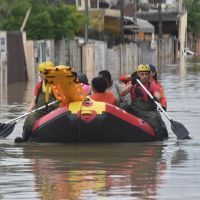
[
  {"x": 82, "y": 171},
  {"x": 16, "y": 93},
  {"x": 182, "y": 65}
]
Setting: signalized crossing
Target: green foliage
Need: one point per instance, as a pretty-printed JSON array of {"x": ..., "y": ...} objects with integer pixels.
[
  {"x": 45, "y": 21},
  {"x": 12, "y": 14},
  {"x": 194, "y": 19},
  {"x": 193, "y": 8},
  {"x": 40, "y": 26},
  {"x": 66, "y": 21}
]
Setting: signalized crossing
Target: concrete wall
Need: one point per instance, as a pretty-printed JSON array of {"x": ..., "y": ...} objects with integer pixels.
[
  {"x": 94, "y": 56},
  {"x": 182, "y": 31},
  {"x": 147, "y": 55},
  {"x": 118, "y": 60},
  {"x": 3, "y": 58},
  {"x": 29, "y": 54}
]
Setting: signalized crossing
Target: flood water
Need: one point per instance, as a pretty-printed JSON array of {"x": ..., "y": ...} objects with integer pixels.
[{"x": 158, "y": 170}]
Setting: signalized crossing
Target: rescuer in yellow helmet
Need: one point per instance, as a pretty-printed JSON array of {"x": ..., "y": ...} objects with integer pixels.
[
  {"x": 141, "y": 105},
  {"x": 38, "y": 101}
]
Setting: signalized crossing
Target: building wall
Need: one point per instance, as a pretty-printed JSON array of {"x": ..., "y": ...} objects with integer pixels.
[
  {"x": 29, "y": 54},
  {"x": 94, "y": 56},
  {"x": 182, "y": 31},
  {"x": 3, "y": 58},
  {"x": 88, "y": 60},
  {"x": 146, "y": 54}
]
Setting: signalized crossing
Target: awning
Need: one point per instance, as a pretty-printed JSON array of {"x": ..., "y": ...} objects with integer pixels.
[
  {"x": 145, "y": 26},
  {"x": 141, "y": 25}
]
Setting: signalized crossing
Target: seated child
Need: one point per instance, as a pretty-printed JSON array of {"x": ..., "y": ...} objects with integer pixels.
[{"x": 99, "y": 86}]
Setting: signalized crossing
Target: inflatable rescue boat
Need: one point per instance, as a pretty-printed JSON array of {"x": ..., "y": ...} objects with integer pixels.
[
  {"x": 82, "y": 120},
  {"x": 91, "y": 121}
]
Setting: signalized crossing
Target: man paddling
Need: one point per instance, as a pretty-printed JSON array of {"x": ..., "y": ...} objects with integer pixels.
[
  {"x": 141, "y": 105},
  {"x": 39, "y": 100},
  {"x": 154, "y": 79}
]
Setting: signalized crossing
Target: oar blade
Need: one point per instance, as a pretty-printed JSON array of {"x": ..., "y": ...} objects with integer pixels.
[
  {"x": 6, "y": 129},
  {"x": 1, "y": 125},
  {"x": 179, "y": 129}
]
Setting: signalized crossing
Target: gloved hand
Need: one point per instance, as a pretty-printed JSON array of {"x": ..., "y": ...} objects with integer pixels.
[
  {"x": 164, "y": 108},
  {"x": 134, "y": 78},
  {"x": 155, "y": 99},
  {"x": 138, "y": 92}
]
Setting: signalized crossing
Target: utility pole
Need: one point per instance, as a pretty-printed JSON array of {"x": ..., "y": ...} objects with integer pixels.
[
  {"x": 122, "y": 20},
  {"x": 86, "y": 24},
  {"x": 160, "y": 34},
  {"x": 121, "y": 34},
  {"x": 25, "y": 20},
  {"x": 135, "y": 19},
  {"x": 160, "y": 20},
  {"x": 180, "y": 6}
]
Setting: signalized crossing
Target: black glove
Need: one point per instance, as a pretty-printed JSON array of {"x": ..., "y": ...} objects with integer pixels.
[
  {"x": 153, "y": 102},
  {"x": 164, "y": 108},
  {"x": 155, "y": 99},
  {"x": 138, "y": 92},
  {"x": 134, "y": 78}
]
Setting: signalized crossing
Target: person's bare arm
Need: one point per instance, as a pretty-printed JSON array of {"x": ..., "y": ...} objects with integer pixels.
[
  {"x": 126, "y": 89},
  {"x": 157, "y": 95},
  {"x": 32, "y": 104}
]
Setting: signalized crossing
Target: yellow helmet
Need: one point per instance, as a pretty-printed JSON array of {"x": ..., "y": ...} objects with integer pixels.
[
  {"x": 143, "y": 68},
  {"x": 45, "y": 65}
]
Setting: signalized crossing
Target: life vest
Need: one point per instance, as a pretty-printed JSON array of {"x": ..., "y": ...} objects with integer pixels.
[
  {"x": 142, "y": 102},
  {"x": 44, "y": 94},
  {"x": 163, "y": 100}
]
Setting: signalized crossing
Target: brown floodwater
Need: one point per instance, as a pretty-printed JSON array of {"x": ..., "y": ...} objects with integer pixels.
[{"x": 126, "y": 171}]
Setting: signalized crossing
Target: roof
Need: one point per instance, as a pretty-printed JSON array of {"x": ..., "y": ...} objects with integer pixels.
[
  {"x": 141, "y": 25},
  {"x": 145, "y": 26},
  {"x": 154, "y": 16}
]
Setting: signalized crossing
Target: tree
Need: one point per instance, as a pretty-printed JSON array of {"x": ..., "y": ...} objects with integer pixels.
[
  {"x": 12, "y": 14},
  {"x": 45, "y": 21},
  {"x": 193, "y": 8},
  {"x": 70, "y": 21}
]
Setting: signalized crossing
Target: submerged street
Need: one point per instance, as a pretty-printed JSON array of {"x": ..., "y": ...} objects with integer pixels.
[{"x": 160, "y": 170}]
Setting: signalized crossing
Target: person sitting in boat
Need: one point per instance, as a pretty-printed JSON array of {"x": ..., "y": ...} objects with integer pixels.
[
  {"x": 154, "y": 79},
  {"x": 125, "y": 78},
  {"x": 38, "y": 101},
  {"x": 84, "y": 83},
  {"x": 141, "y": 105},
  {"x": 99, "y": 86},
  {"x": 113, "y": 88}
]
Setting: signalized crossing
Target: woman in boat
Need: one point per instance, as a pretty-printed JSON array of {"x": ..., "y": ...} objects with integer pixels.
[
  {"x": 154, "y": 79},
  {"x": 141, "y": 105},
  {"x": 84, "y": 83},
  {"x": 39, "y": 100}
]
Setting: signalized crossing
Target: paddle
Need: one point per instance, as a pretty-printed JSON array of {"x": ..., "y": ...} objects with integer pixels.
[
  {"x": 179, "y": 130},
  {"x": 7, "y": 127}
]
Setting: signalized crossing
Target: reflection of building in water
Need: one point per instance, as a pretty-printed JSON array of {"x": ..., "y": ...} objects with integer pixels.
[
  {"x": 3, "y": 69},
  {"x": 20, "y": 93},
  {"x": 3, "y": 94},
  {"x": 182, "y": 66},
  {"x": 14, "y": 98},
  {"x": 131, "y": 170}
]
